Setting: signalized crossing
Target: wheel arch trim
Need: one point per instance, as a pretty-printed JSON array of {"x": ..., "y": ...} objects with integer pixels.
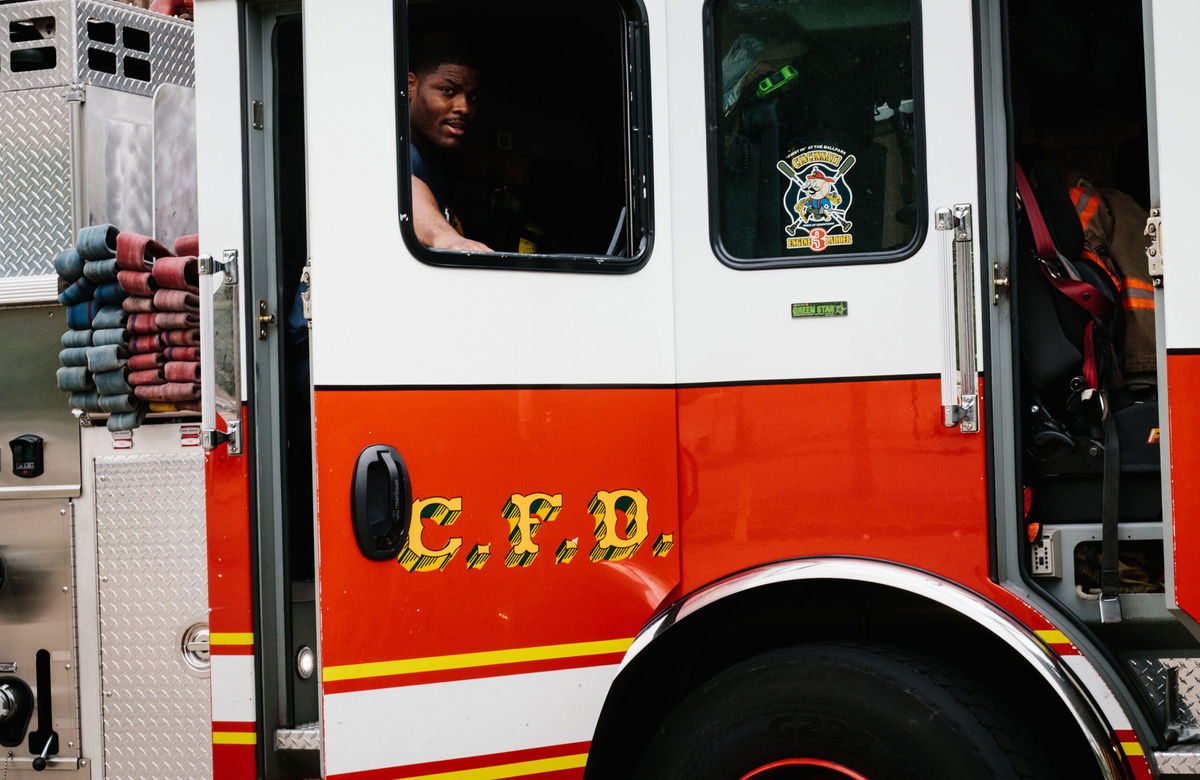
[{"x": 1089, "y": 716}]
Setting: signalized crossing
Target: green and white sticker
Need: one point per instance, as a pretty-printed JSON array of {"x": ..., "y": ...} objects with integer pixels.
[{"x": 823, "y": 309}]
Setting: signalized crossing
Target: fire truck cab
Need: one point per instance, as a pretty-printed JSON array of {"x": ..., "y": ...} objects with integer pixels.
[{"x": 789, "y": 431}]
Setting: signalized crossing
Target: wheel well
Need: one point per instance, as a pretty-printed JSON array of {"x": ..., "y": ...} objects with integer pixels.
[{"x": 791, "y": 613}]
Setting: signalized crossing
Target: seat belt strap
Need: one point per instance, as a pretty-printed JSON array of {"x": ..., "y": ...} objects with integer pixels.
[
  {"x": 1110, "y": 572},
  {"x": 1083, "y": 294}
]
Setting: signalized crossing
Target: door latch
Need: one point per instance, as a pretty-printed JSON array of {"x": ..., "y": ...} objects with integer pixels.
[{"x": 265, "y": 320}]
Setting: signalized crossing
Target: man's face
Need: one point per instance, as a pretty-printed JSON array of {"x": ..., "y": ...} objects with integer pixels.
[{"x": 442, "y": 104}]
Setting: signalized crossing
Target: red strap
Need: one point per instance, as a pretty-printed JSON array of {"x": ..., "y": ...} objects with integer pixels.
[
  {"x": 1088, "y": 297},
  {"x": 1090, "y": 375},
  {"x": 1041, "y": 234},
  {"x": 1085, "y": 295}
]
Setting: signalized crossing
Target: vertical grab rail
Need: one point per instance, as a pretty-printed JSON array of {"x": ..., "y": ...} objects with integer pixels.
[
  {"x": 960, "y": 389},
  {"x": 219, "y": 350}
]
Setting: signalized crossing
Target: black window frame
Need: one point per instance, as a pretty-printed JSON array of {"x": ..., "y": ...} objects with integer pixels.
[
  {"x": 711, "y": 59},
  {"x": 639, "y": 139}
]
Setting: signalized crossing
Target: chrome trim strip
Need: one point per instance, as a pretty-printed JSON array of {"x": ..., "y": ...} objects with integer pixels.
[{"x": 1101, "y": 739}]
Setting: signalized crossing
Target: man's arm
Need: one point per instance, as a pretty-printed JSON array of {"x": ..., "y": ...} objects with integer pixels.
[{"x": 432, "y": 228}]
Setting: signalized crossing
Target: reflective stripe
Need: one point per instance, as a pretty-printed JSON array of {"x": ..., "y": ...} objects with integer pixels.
[
  {"x": 241, "y": 639},
  {"x": 1088, "y": 211},
  {"x": 1133, "y": 748},
  {"x": 468, "y": 660},
  {"x": 1103, "y": 267},
  {"x": 1053, "y": 637},
  {"x": 1138, "y": 284},
  {"x": 234, "y": 738},
  {"x": 1138, "y": 303},
  {"x": 519, "y": 769}
]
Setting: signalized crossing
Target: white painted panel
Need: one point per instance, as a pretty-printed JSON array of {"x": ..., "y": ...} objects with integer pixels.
[
  {"x": 233, "y": 688},
  {"x": 736, "y": 324},
  {"x": 219, "y": 175},
  {"x": 382, "y": 317},
  {"x": 1176, "y": 59},
  {"x": 464, "y": 718}
]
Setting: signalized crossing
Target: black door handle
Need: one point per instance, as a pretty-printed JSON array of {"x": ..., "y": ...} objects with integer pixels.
[{"x": 380, "y": 501}]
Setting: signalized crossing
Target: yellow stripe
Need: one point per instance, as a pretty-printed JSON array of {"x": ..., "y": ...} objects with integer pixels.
[
  {"x": 520, "y": 769},
  {"x": 440, "y": 663},
  {"x": 1133, "y": 748},
  {"x": 1053, "y": 637},
  {"x": 231, "y": 639},
  {"x": 234, "y": 738}
]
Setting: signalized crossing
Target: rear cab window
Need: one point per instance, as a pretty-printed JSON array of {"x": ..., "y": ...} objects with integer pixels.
[
  {"x": 552, "y": 170},
  {"x": 815, "y": 131}
]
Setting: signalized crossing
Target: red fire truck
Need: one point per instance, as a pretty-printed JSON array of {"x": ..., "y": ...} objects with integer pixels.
[{"x": 774, "y": 440}]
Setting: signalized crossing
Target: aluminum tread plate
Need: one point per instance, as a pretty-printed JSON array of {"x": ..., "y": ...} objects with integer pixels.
[
  {"x": 83, "y": 59},
  {"x": 306, "y": 736},
  {"x": 171, "y": 48},
  {"x": 151, "y": 561},
  {"x": 1155, "y": 673},
  {"x": 35, "y": 167},
  {"x": 1180, "y": 761}
]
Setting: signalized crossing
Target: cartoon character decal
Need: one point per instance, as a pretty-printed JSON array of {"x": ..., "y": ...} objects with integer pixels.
[{"x": 818, "y": 197}]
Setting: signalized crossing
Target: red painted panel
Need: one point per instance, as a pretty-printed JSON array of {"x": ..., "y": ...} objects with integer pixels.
[
  {"x": 234, "y": 762},
  {"x": 483, "y": 446},
  {"x": 227, "y": 512},
  {"x": 856, "y": 468},
  {"x": 1183, "y": 377}
]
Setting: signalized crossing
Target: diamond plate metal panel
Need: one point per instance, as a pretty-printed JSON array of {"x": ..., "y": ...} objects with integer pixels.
[
  {"x": 1155, "y": 674},
  {"x": 35, "y": 180},
  {"x": 170, "y": 56},
  {"x": 152, "y": 567},
  {"x": 1178, "y": 762},
  {"x": 62, "y": 39},
  {"x": 306, "y": 736}
]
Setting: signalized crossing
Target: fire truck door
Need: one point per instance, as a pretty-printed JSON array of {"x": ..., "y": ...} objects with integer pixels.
[
  {"x": 494, "y": 448},
  {"x": 825, "y": 317},
  {"x": 1175, "y": 200}
]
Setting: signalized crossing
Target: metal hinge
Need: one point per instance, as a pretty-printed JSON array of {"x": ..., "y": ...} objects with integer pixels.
[
  {"x": 76, "y": 93},
  {"x": 306, "y": 290},
  {"x": 210, "y": 439},
  {"x": 226, "y": 265},
  {"x": 256, "y": 115},
  {"x": 1154, "y": 251}
]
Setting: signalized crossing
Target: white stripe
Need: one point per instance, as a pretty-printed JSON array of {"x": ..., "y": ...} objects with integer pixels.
[
  {"x": 233, "y": 688},
  {"x": 1099, "y": 690},
  {"x": 421, "y": 723}
]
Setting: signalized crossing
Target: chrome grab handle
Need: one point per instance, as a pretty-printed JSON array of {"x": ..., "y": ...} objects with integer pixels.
[
  {"x": 960, "y": 382},
  {"x": 218, "y": 381}
]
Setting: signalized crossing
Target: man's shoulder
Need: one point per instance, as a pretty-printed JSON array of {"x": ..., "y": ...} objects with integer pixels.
[{"x": 416, "y": 163}]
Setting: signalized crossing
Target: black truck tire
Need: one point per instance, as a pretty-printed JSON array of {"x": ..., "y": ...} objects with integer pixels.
[{"x": 842, "y": 712}]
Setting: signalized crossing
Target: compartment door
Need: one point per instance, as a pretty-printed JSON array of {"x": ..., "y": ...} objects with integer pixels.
[
  {"x": 1175, "y": 195},
  {"x": 814, "y": 322},
  {"x": 495, "y": 461}
]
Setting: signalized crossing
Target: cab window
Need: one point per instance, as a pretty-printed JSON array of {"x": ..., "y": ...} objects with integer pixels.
[
  {"x": 549, "y": 166},
  {"x": 814, "y": 125}
]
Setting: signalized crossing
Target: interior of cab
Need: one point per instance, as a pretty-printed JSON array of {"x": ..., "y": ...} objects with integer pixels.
[
  {"x": 550, "y": 162},
  {"x": 1079, "y": 137}
]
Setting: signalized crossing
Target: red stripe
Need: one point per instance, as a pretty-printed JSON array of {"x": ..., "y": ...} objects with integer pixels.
[
  {"x": 231, "y": 649},
  {"x": 247, "y": 727},
  {"x": 473, "y": 762},
  {"x": 472, "y": 673}
]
